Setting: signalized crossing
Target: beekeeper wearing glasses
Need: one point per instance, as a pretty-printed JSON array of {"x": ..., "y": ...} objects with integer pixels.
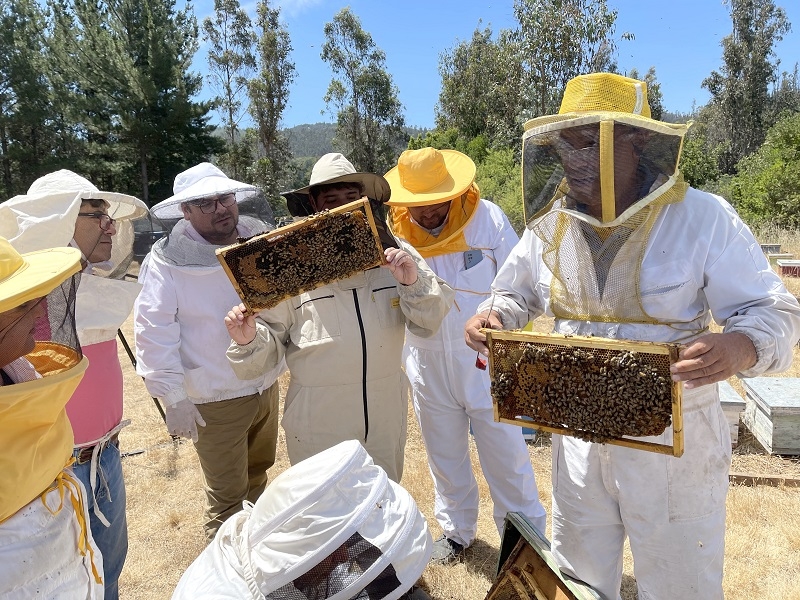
[{"x": 619, "y": 246}]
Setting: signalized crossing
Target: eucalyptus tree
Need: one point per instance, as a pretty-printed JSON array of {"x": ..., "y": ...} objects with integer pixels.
[
  {"x": 269, "y": 95},
  {"x": 741, "y": 88},
  {"x": 560, "y": 39},
  {"x": 369, "y": 114},
  {"x": 481, "y": 83},
  {"x": 231, "y": 64}
]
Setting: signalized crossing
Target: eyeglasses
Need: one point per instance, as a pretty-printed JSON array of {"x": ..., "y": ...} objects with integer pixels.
[
  {"x": 106, "y": 222},
  {"x": 209, "y": 205}
]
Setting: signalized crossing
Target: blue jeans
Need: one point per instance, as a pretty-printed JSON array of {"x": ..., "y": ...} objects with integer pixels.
[{"x": 110, "y": 498}]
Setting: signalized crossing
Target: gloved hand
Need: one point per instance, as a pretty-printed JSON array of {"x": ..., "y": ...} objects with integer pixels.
[{"x": 183, "y": 419}]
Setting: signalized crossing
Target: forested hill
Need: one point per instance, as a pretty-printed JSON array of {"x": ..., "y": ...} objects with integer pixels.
[{"x": 315, "y": 139}]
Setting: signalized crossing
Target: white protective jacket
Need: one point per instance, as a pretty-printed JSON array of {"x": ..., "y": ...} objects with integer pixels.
[
  {"x": 701, "y": 262},
  {"x": 343, "y": 344},
  {"x": 180, "y": 331}
]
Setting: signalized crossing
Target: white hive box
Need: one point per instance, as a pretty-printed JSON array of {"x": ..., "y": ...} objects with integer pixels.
[
  {"x": 733, "y": 406},
  {"x": 772, "y": 412}
]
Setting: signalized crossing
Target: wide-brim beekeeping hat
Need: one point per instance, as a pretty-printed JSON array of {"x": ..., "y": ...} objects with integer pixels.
[
  {"x": 429, "y": 176},
  {"x": 45, "y": 217},
  {"x": 200, "y": 181},
  {"x": 332, "y": 526},
  {"x": 335, "y": 168},
  {"x": 32, "y": 275},
  {"x": 572, "y": 154}
]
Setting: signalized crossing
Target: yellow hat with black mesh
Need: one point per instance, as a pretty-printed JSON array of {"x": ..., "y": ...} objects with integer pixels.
[
  {"x": 602, "y": 153},
  {"x": 24, "y": 277}
]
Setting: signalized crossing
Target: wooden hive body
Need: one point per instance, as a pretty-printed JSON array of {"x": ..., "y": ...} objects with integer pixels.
[
  {"x": 733, "y": 406},
  {"x": 604, "y": 390},
  {"x": 300, "y": 257},
  {"x": 526, "y": 569},
  {"x": 772, "y": 412}
]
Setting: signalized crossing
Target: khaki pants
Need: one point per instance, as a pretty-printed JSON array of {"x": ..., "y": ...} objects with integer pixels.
[{"x": 236, "y": 447}]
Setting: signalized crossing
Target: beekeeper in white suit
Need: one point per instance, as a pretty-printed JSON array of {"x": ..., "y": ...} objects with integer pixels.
[
  {"x": 437, "y": 208},
  {"x": 619, "y": 246}
]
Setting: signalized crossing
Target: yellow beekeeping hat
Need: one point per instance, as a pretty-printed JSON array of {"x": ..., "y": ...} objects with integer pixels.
[{"x": 429, "y": 176}]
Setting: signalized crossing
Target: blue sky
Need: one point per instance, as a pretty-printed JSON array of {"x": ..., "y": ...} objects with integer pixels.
[{"x": 682, "y": 41}]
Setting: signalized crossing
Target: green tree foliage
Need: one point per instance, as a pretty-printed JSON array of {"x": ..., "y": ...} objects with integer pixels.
[
  {"x": 740, "y": 90},
  {"x": 269, "y": 94},
  {"x": 499, "y": 177},
  {"x": 767, "y": 186},
  {"x": 560, "y": 39},
  {"x": 481, "y": 80},
  {"x": 231, "y": 62},
  {"x": 369, "y": 115},
  {"x": 35, "y": 136}
]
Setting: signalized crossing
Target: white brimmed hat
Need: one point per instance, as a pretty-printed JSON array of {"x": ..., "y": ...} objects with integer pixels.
[
  {"x": 335, "y": 168},
  {"x": 45, "y": 216},
  {"x": 332, "y": 526},
  {"x": 200, "y": 181}
]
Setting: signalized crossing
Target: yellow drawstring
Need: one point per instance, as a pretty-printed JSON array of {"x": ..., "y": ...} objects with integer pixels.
[{"x": 66, "y": 482}]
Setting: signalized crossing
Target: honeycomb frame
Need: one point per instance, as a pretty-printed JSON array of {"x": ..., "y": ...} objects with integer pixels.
[
  {"x": 283, "y": 263},
  {"x": 550, "y": 382}
]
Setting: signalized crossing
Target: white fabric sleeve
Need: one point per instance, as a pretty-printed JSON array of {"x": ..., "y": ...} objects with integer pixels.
[
  {"x": 268, "y": 349},
  {"x": 747, "y": 296},
  {"x": 158, "y": 334},
  {"x": 426, "y": 302},
  {"x": 519, "y": 292}
]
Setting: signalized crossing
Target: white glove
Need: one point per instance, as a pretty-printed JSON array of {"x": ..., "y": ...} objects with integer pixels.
[{"x": 183, "y": 419}]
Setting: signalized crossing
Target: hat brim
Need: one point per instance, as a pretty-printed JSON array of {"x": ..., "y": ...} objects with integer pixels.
[
  {"x": 122, "y": 207},
  {"x": 562, "y": 121},
  {"x": 206, "y": 187},
  {"x": 461, "y": 175},
  {"x": 375, "y": 188},
  {"x": 41, "y": 272}
]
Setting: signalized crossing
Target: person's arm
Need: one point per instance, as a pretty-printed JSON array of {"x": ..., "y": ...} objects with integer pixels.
[
  {"x": 258, "y": 341},
  {"x": 158, "y": 339},
  {"x": 519, "y": 294},
  {"x": 761, "y": 318},
  {"x": 426, "y": 300}
]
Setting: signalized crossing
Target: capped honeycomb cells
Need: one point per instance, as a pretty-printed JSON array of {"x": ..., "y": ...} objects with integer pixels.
[{"x": 329, "y": 246}]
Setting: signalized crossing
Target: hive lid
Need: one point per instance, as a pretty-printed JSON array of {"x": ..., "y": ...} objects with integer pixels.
[
  {"x": 728, "y": 396},
  {"x": 775, "y": 395}
]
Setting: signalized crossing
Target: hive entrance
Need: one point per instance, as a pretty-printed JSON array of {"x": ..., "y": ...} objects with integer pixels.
[
  {"x": 300, "y": 257},
  {"x": 595, "y": 389}
]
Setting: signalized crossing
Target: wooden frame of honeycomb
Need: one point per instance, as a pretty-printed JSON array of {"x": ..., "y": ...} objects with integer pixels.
[
  {"x": 598, "y": 389},
  {"x": 285, "y": 262}
]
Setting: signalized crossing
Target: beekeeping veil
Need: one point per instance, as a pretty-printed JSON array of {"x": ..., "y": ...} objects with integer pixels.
[
  {"x": 182, "y": 247},
  {"x": 595, "y": 177},
  {"x": 332, "y": 526},
  {"x": 46, "y": 217}
]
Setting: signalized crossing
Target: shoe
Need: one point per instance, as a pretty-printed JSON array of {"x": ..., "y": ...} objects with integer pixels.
[
  {"x": 446, "y": 551},
  {"x": 415, "y": 593}
]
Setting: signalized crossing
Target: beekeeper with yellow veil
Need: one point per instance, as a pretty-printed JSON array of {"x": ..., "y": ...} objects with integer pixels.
[
  {"x": 46, "y": 545},
  {"x": 619, "y": 246}
]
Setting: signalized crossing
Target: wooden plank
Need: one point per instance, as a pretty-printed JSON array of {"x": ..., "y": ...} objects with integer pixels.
[
  {"x": 559, "y": 339},
  {"x": 753, "y": 479}
]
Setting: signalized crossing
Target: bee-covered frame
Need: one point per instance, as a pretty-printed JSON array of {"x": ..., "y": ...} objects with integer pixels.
[
  {"x": 252, "y": 287},
  {"x": 663, "y": 354}
]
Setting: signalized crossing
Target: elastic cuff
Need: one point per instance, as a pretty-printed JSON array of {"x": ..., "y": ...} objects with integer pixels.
[
  {"x": 172, "y": 397},
  {"x": 763, "y": 344}
]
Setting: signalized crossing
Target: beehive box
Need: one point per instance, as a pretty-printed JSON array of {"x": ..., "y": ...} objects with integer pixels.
[
  {"x": 526, "y": 569},
  {"x": 597, "y": 389},
  {"x": 774, "y": 257},
  {"x": 733, "y": 406},
  {"x": 789, "y": 268},
  {"x": 772, "y": 413},
  {"x": 770, "y": 248},
  {"x": 307, "y": 254}
]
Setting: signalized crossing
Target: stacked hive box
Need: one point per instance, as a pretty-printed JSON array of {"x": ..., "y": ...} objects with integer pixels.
[
  {"x": 772, "y": 413},
  {"x": 732, "y": 406}
]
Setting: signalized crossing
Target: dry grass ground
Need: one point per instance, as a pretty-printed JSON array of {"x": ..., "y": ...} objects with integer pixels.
[{"x": 165, "y": 503}]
